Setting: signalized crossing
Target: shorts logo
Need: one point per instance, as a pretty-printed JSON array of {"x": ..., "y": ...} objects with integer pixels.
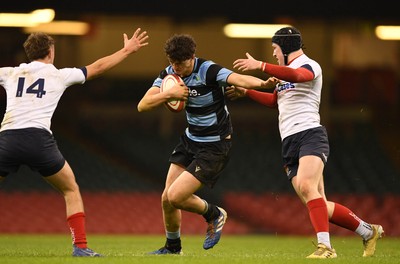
[
  {"x": 288, "y": 171},
  {"x": 197, "y": 169},
  {"x": 325, "y": 157}
]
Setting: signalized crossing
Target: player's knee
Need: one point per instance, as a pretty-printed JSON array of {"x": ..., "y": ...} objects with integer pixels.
[
  {"x": 304, "y": 190},
  {"x": 175, "y": 200}
]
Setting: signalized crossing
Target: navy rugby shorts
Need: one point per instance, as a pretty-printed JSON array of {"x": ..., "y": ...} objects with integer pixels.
[
  {"x": 33, "y": 147},
  {"x": 312, "y": 141}
]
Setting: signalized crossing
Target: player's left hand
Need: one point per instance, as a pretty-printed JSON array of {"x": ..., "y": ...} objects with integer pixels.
[
  {"x": 270, "y": 83},
  {"x": 233, "y": 92},
  {"x": 138, "y": 40}
]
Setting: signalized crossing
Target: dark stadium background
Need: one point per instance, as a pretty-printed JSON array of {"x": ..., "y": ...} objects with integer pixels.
[{"x": 120, "y": 157}]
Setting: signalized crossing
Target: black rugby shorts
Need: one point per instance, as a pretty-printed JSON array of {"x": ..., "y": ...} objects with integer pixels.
[{"x": 205, "y": 160}]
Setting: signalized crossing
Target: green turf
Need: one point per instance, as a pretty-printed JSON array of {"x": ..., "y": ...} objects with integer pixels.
[{"x": 56, "y": 249}]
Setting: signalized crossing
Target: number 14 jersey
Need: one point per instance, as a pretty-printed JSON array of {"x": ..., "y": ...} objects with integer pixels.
[{"x": 33, "y": 92}]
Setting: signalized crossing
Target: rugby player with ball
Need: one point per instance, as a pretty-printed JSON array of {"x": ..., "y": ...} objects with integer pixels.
[{"x": 204, "y": 147}]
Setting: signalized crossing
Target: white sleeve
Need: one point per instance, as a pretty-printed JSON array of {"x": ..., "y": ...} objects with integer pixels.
[{"x": 73, "y": 76}]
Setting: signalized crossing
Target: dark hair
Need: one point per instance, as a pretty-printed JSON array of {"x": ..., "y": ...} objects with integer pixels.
[
  {"x": 289, "y": 39},
  {"x": 180, "y": 47},
  {"x": 37, "y": 45}
]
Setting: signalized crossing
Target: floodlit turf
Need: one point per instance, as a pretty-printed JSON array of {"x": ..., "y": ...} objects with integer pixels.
[{"x": 55, "y": 249}]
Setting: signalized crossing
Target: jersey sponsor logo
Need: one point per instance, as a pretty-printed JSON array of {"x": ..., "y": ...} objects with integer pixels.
[
  {"x": 285, "y": 86},
  {"x": 193, "y": 92}
]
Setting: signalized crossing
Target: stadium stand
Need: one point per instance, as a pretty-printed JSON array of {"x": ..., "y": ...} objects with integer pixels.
[{"x": 120, "y": 159}]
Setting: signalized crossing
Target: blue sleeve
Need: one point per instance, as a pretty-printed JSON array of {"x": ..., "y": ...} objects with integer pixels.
[
  {"x": 214, "y": 73},
  {"x": 223, "y": 75}
]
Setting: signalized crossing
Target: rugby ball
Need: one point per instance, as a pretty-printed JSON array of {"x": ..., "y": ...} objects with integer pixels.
[{"x": 169, "y": 81}]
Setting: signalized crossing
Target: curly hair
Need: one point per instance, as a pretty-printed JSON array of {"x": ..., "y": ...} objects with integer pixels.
[
  {"x": 37, "y": 45},
  {"x": 180, "y": 47}
]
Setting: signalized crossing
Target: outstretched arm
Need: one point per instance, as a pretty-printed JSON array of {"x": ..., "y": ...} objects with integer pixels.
[
  {"x": 265, "y": 98},
  {"x": 247, "y": 64},
  {"x": 251, "y": 82},
  {"x": 131, "y": 45},
  {"x": 301, "y": 74}
]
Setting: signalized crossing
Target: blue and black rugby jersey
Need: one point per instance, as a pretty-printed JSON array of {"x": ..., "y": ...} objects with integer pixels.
[{"x": 206, "y": 111}]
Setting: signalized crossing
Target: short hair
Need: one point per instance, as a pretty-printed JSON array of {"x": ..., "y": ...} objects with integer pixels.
[
  {"x": 37, "y": 45},
  {"x": 180, "y": 47}
]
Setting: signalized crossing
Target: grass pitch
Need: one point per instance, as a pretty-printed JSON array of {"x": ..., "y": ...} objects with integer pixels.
[{"x": 121, "y": 249}]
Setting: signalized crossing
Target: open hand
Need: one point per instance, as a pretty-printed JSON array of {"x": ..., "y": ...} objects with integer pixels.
[
  {"x": 247, "y": 64},
  {"x": 138, "y": 40}
]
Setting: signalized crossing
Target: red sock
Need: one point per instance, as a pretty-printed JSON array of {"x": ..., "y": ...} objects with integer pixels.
[
  {"x": 344, "y": 217},
  {"x": 318, "y": 215},
  {"x": 76, "y": 224}
]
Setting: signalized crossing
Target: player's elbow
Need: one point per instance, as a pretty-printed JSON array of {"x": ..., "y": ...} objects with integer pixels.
[{"x": 141, "y": 107}]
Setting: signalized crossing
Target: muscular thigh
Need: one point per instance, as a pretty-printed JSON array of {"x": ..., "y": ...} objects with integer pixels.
[
  {"x": 63, "y": 180},
  {"x": 173, "y": 172},
  {"x": 310, "y": 168}
]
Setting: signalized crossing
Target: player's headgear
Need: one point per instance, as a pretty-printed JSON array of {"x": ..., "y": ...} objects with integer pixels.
[{"x": 289, "y": 39}]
